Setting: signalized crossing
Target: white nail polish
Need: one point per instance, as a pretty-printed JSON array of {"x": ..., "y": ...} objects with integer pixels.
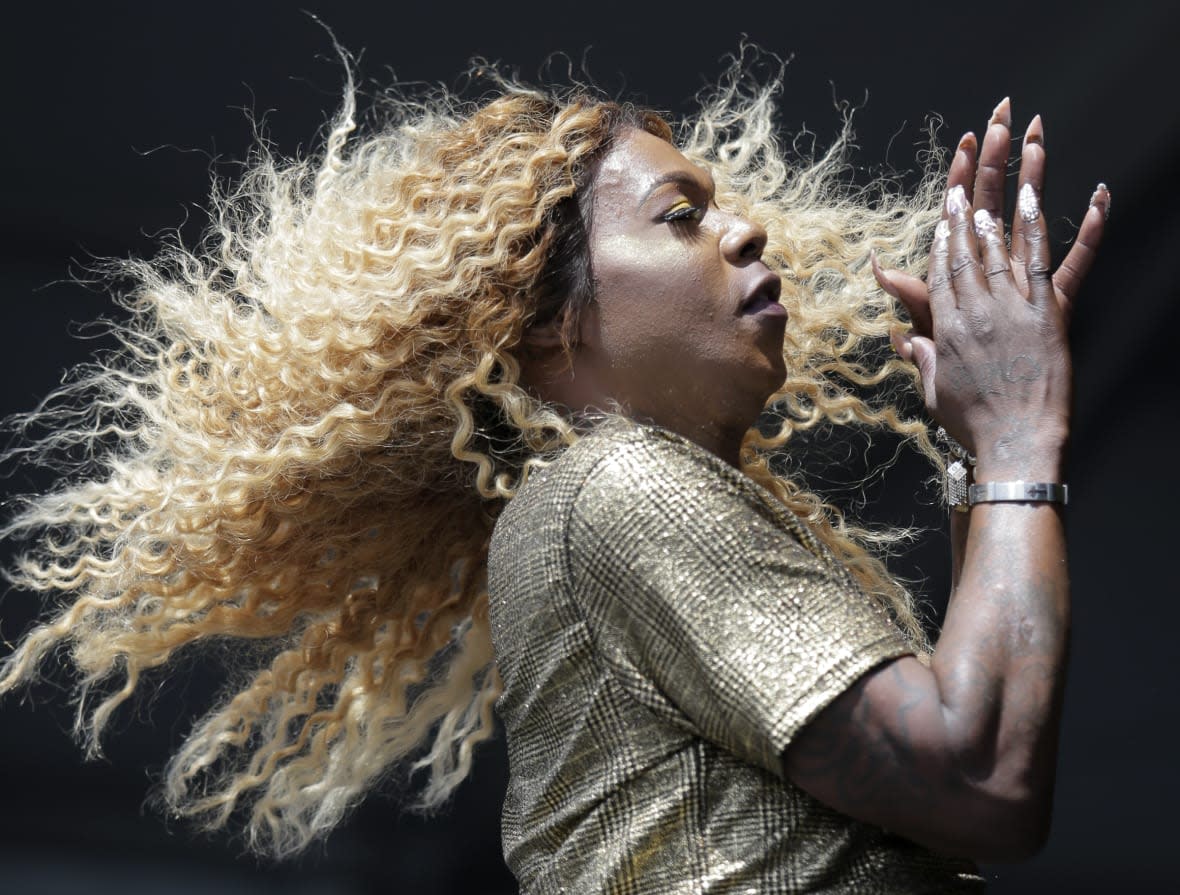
[
  {"x": 1027, "y": 204},
  {"x": 942, "y": 232}
]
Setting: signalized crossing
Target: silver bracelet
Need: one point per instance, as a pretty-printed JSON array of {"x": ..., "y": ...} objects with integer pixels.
[{"x": 1018, "y": 492}]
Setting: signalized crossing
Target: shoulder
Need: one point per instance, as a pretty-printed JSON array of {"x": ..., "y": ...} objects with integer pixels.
[
  {"x": 544, "y": 502},
  {"x": 618, "y": 459},
  {"x": 641, "y": 464},
  {"x": 620, "y": 469},
  {"x": 632, "y": 476},
  {"x": 655, "y": 475}
]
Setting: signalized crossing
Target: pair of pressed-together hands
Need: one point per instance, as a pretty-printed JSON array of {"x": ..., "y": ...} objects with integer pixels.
[{"x": 990, "y": 322}]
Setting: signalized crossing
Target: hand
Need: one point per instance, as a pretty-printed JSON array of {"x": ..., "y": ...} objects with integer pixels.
[
  {"x": 989, "y": 317},
  {"x": 988, "y": 194}
]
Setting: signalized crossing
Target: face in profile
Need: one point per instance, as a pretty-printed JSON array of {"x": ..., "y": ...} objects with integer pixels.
[{"x": 685, "y": 329}]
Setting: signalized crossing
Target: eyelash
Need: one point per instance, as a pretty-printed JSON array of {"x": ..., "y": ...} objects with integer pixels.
[{"x": 685, "y": 214}]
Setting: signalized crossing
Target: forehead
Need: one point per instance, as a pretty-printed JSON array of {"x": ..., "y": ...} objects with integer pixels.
[{"x": 637, "y": 162}]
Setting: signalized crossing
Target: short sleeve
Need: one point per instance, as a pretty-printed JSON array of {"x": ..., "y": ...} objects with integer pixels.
[{"x": 706, "y": 606}]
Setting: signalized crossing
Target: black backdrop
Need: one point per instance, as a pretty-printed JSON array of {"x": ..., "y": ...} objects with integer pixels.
[{"x": 112, "y": 117}]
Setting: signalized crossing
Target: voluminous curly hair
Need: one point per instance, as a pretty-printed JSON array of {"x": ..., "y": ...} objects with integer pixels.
[{"x": 316, "y": 416}]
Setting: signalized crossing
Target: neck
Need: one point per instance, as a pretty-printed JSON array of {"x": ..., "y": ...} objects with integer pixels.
[
  {"x": 721, "y": 440},
  {"x": 717, "y": 438},
  {"x": 720, "y": 432}
]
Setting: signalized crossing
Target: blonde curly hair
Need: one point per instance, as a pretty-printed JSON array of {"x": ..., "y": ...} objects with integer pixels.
[{"x": 316, "y": 416}]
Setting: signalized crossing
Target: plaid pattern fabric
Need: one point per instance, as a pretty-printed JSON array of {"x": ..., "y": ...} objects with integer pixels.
[{"x": 663, "y": 626}]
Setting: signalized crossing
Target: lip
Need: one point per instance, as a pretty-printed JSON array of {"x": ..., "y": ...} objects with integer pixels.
[{"x": 763, "y": 299}]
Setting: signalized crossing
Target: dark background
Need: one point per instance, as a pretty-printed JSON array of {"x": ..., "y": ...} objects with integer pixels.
[{"x": 113, "y": 119}]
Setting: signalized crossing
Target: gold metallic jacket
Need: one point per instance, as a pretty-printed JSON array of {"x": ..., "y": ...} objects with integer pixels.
[{"x": 663, "y": 627}]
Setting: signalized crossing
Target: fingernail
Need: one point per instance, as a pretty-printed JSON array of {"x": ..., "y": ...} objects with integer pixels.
[
  {"x": 956, "y": 200},
  {"x": 942, "y": 232},
  {"x": 1002, "y": 114},
  {"x": 1101, "y": 197},
  {"x": 967, "y": 143},
  {"x": 900, "y": 342},
  {"x": 985, "y": 226},
  {"x": 1027, "y": 204},
  {"x": 1035, "y": 132},
  {"x": 882, "y": 277}
]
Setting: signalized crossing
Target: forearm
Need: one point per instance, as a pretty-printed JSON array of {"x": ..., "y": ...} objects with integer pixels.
[
  {"x": 1000, "y": 662},
  {"x": 960, "y": 525},
  {"x": 960, "y": 756}
]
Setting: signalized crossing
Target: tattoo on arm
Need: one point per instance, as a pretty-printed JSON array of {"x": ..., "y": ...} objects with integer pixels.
[{"x": 848, "y": 757}]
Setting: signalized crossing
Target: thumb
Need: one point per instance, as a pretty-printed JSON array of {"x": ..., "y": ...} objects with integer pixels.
[
  {"x": 901, "y": 344},
  {"x": 925, "y": 357}
]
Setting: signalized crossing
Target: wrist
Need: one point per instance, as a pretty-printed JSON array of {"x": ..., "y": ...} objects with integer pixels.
[
  {"x": 1034, "y": 466},
  {"x": 1004, "y": 465},
  {"x": 1040, "y": 458}
]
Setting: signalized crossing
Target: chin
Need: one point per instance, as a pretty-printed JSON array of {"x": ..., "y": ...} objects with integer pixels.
[
  {"x": 773, "y": 381},
  {"x": 747, "y": 411}
]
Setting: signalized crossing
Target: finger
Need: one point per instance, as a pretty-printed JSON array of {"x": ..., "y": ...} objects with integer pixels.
[
  {"x": 967, "y": 277},
  {"x": 902, "y": 344},
  {"x": 1069, "y": 276},
  {"x": 1032, "y": 171},
  {"x": 993, "y": 162},
  {"x": 925, "y": 358},
  {"x": 1036, "y": 246},
  {"x": 962, "y": 170},
  {"x": 907, "y": 289},
  {"x": 938, "y": 278},
  {"x": 997, "y": 267}
]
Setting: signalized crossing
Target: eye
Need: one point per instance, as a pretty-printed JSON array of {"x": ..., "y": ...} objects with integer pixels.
[{"x": 682, "y": 212}]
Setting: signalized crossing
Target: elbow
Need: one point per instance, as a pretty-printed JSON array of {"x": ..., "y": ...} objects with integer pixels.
[
  {"x": 991, "y": 833},
  {"x": 1007, "y": 826},
  {"x": 1002, "y": 811},
  {"x": 1005, "y": 800},
  {"x": 1021, "y": 835},
  {"x": 1011, "y": 843}
]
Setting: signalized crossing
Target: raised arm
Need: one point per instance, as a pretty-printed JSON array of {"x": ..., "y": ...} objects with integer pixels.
[
  {"x": 981, "y": 171},
  {"x": 960, "y": 756}
]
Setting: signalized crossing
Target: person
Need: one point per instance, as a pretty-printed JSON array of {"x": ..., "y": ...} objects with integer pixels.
[{"x": 470, "y": 410}]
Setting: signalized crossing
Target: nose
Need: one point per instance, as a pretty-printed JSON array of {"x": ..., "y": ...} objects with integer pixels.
[{"x": 744, "y": 241}]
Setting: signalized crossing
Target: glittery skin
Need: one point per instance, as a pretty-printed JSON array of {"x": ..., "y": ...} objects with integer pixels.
[{"x": 663, "y": 628}]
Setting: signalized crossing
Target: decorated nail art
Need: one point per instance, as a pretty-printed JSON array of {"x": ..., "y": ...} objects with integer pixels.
[
  {"x": 956, "y": 200},
  {"x": 1027, "y": 204},
  {"x": 986, "y": 226},
  {"x": 1098, "y": 191}
]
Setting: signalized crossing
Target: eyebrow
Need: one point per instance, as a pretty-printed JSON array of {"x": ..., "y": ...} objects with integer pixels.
[{"x": 682, "y": 177}]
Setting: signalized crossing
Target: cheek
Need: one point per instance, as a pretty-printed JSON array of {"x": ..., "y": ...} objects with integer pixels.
[{"x": 652, "y": 298}]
